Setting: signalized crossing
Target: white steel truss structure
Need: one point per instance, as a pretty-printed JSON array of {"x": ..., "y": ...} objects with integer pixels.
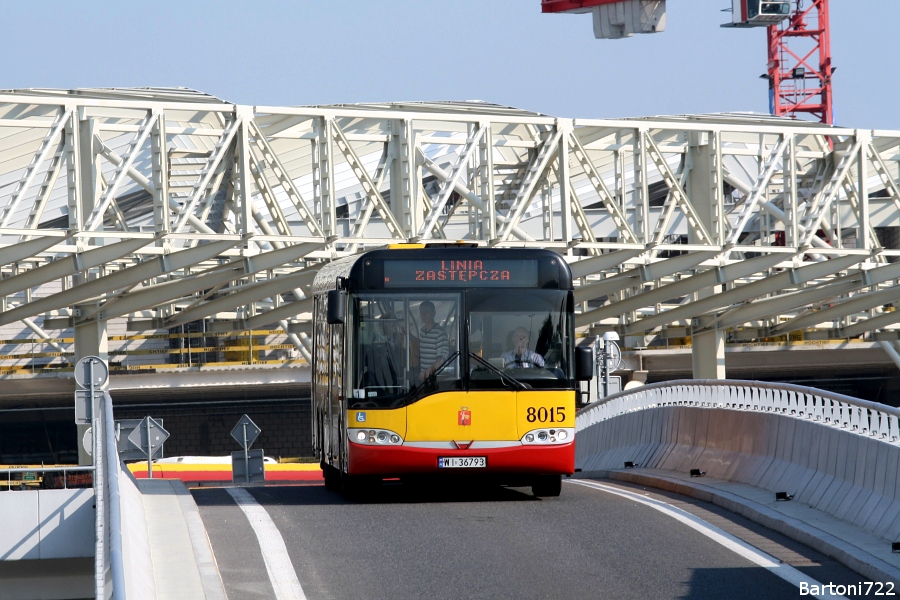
[{"x": 169, "y": 206}]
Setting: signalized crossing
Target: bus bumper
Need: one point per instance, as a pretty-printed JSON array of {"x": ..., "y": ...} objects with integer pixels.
[{"x": 400, "y": 460}]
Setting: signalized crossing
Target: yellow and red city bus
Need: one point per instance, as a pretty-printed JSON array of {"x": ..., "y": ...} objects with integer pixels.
[{"x": 445, "y": 360}]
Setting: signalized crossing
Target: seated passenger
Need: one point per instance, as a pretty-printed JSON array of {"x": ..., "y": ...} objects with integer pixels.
[{"x": 520, "y": 357}]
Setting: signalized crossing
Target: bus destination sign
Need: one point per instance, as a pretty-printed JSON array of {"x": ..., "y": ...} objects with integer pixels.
[{"x": 460, "y": 273}]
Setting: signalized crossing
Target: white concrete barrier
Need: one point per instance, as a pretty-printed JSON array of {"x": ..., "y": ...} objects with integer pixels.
[
  {"x": 835, "y": 453},
  {"x": 125, "y": 564},
  {"x": 42, "y": 524},
  {"x": 137, "y": 561}
]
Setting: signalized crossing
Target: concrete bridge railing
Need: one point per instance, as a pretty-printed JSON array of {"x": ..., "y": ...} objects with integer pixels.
[
  {"x": 123, "y": 566},
  {"x": 838, "y": 454}
]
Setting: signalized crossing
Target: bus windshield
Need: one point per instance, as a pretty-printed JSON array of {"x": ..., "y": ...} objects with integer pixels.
[
  {"x": 522, "y": 339},
  {"x": 406, "y": 345}
]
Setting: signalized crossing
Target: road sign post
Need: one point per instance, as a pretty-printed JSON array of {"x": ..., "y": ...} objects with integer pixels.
[
  {"x": 84, "y": 404},
  {"x": 129, "y": 450},
  {"x": 149, "y": 451},
  {"x": 252, "y": 469},
  {"x": 246, "y": 455},
  {"x": 610, "y": 359},
  {"x": 149, "y": 437},
  {"x": 91, "y": 374}
]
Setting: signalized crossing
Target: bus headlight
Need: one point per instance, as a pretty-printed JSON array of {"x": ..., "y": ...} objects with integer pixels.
[
  {"x": 374, "y": 436},
  {"x": 548, "y": 437}
]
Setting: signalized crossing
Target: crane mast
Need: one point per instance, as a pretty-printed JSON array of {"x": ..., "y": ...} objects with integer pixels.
[{"x": 799, "y": 65}]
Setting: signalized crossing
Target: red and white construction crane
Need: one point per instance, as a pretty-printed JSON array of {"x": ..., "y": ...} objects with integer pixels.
[{"x": 799, "y": 65}]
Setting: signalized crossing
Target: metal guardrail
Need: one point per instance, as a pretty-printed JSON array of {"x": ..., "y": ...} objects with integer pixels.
[
  {"x": 836, "y": 410},
  {"x": 41, "y": 469}
]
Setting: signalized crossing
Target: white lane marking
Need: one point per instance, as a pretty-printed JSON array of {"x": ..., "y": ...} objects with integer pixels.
[
  {"x": 274, "y": 552},
  {"x": 736, "y": 545}
]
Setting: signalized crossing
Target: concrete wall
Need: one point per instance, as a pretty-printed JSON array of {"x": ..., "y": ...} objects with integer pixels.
[
  {"x": 206, "y": 431},
  {"x": 30, "y": 437},
  {"x": 850, "y": 476},
  {"x": 48, "y": 579},
  {"x": 48, "y": 524}
]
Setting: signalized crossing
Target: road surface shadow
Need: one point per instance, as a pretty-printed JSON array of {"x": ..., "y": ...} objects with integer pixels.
[{"x": 389, "y": 492}]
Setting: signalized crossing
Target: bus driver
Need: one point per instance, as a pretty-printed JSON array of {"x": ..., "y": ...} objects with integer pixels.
[{"x": 520, "y": 357}]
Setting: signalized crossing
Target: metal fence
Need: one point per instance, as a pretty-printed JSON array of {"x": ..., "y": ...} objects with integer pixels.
[
  {"x": 27, "y": 477},
  {"x": 830, "y": 409}
]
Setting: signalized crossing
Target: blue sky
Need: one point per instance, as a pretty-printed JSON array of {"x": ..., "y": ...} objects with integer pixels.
[{"x": 279, "y": 52}]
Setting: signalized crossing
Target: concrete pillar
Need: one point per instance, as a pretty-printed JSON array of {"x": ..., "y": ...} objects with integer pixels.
[
  {"x": 84, "y": 192},
  {"x": 707, "y": 352},
  {"x": 704, "y": 187}
]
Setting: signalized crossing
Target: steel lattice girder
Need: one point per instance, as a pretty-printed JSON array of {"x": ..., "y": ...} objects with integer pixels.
[{"x": 101, "y": 190}]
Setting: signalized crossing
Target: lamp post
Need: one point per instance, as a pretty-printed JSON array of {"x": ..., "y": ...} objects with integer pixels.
[{"x": 609, "y": 342}]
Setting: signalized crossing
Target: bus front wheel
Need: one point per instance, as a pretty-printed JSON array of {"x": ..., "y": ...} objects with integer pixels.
[
  {"x": 332, "y": 478},
  {"x": 547, "y": 486},
  {"x": 357, "y": 487}
]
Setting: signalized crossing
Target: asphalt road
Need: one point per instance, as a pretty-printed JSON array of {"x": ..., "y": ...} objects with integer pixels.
[{"x": 496, "y": 543}]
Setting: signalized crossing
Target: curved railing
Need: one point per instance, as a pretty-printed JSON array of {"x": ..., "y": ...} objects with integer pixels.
[
  {"x": 109, "y": 569},
  {"x": 113, "y": 500},
  {"x": 832, "y": 453},
  {"x": 836, "y": 410}
]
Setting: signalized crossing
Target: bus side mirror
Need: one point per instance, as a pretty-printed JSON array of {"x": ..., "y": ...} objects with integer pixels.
[
  {"x": 584, "y": 363},
  {"x": 337, "y": 307}
]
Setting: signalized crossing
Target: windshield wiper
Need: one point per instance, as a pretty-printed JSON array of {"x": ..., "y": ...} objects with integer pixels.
[
  {"x": 441, "y": 367},
  {"x": 518, "y": 384},
  {"x": 414, "y": 391}
]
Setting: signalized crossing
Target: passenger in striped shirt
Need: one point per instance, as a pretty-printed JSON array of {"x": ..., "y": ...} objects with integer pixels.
[{"x": 434, "y": 345}]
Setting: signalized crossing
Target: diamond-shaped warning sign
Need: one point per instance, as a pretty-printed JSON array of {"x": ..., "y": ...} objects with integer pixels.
[
  {"x": 245, "y": 432},
  {"x": 149, "y": 435}
]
